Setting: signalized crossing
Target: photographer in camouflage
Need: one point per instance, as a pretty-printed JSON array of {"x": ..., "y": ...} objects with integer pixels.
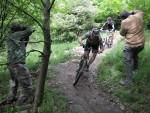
[{"x": 20, "y": 75}]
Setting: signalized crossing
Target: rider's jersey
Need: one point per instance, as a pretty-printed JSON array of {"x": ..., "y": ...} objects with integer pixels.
[
  {"x": 93, "y": 40},
  {"x": 109, "y": 25}
]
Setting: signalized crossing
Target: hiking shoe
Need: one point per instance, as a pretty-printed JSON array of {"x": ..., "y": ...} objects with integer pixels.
[
  {"x": 24, "y": 100},
  {"x": 10, "y": 99}
]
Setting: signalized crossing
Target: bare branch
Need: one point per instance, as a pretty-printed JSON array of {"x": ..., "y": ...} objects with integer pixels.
[
  {"x": 42, "y": 3},
  {"x": 36, "y": 41},
  {"x": 4, "y": 64},
  {"x": 51, "y": 5},
  {"x": 34, "y": 50},
  {"x": 8, "y": 23},
  {"x": 26, "y": 14},
  {"x": 3, "y": 18}
]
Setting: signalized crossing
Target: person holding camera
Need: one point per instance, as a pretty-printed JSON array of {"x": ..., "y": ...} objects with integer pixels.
[
  {"x": 21, "y": 79},
  {"x": 132, "y": 28}
]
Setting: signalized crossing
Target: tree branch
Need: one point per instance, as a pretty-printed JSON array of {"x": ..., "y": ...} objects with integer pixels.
[
  {"x": 36, "y": 41},
  {"x": 51, "y": 5},
  {"x": 4, "y": 64},
  {"x": 26, "y": 14},
  {"x": 34, "y": 50},
  {"x": 42, "y": 3}
]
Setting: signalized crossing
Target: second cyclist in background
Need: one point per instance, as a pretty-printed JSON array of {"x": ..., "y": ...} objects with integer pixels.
[{"x": 110, "y": 27}]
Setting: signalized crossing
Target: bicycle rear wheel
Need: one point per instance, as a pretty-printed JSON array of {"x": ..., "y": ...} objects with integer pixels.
[
  {"x": 80, "y": 71},
  {"x": 110, "y": 41}
]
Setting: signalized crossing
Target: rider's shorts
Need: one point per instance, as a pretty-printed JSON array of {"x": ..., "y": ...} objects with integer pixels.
[{"x": 89, "y": 47}]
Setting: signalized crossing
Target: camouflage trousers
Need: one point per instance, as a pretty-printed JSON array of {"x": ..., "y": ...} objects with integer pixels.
[{"x": 21, "y": 83}]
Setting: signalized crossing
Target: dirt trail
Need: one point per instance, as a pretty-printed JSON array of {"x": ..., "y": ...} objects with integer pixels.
[{"x": 86, "y": 97}]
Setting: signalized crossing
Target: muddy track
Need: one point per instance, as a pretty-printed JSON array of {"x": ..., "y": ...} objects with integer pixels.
[{"x": 86, "y": 97}]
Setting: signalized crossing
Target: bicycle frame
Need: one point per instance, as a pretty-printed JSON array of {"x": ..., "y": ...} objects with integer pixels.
[
  {"x": 80, "y": 71},
  {"x": 108, "y": 40}
]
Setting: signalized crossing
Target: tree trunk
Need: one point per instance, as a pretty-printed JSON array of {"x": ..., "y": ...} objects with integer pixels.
[{"x": 45, "y": 59}]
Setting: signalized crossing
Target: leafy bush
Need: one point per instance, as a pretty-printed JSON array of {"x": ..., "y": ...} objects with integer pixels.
[{"x": 67, "y": 26}]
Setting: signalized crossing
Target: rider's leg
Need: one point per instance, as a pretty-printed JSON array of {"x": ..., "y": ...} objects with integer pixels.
[
  {"x": 87, "y": 50},
  {"x": 92, "y": 58},
  {"x": 94, "y": 54},
  {"x": 84, "y": 56}
]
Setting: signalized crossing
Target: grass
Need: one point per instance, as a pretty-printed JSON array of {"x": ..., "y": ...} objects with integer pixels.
[
  {"x": 136, "y": 97},
  {"x": 53, "y": 100},
  {"x": 61, "y": 52}
]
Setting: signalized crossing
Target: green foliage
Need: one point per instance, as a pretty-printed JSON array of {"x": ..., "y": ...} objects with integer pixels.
[
  {"x": 52, "y": 98},
  {"x": 53, "y": 102},
  {"x": 62, "y": 52},
  {"x": 137, "y": 96},
  {"x": 141, "y": 5},
  {"x": 113, "y": 8},
  {"x": 107, "y": 8},
  {"x": 68, "y": 25}
]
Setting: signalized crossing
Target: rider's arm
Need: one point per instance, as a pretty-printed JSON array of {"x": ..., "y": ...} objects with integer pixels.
[
  {"x": 83, "y": 38},
  {"x": 113, "y": 27},
  {"x": 103, "y": 26},
  {"x": 80, "y": 40}
]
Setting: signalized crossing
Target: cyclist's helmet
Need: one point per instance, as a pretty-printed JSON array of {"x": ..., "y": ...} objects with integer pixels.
[
  {"x": 95, "y": 32},
  {"x": 109, "y": 19}
]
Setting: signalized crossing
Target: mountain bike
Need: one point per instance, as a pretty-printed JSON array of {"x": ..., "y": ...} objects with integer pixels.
[
  {"x": 81, "y": 69},
  {"x": 108, "y": 40}
]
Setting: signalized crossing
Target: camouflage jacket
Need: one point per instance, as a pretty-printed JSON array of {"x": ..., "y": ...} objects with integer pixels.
[{"x": 16, "y": 46}]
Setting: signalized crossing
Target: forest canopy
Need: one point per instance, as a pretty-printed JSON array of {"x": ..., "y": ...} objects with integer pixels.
[{"x": 69, "y": 18}]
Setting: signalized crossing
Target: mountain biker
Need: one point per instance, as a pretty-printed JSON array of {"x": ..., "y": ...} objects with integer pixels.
[
  {"x": 93, "y": 42},
  {"x": 109, "y": 25}
]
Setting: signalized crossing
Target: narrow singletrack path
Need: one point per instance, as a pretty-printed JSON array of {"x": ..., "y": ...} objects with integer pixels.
[{"x": 86, "y": 97}]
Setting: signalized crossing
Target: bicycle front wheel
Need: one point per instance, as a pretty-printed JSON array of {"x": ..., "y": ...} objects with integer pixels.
[{"x": 79, "y": 72}]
